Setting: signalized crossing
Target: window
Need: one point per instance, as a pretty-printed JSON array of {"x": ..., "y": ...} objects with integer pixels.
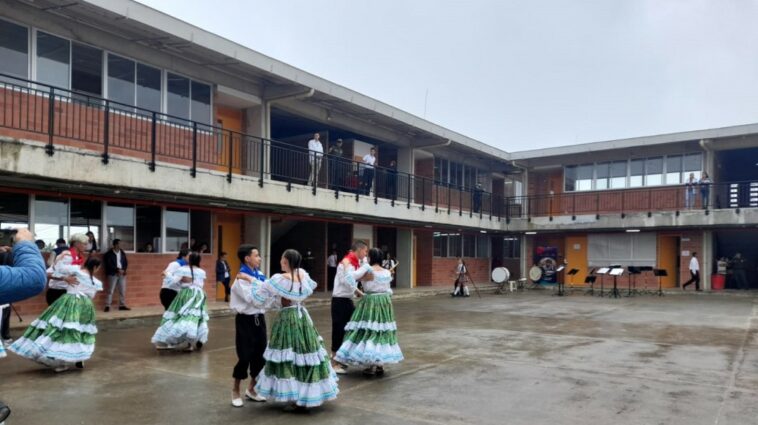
[
  {"x": 626, "y": 249},
  {"x": 454, "y": 245},
  {"x": 121, "y": 80},
  {"x": 618, "y": 175},
  {"x": 178, "y": 103},
  {"x": 673, "y": 169},
  {"x": 440, "y": 244},
  {"x": 14, "y": 50},
  {"x": 693, "y": 163},
  {"x": 148, "y": 87},
  {"x": 148, "y": 228},
  {"x": 201, "y": 103},
  {"x": 470, "y": 177},
  {"x": 50, "y": 219},
  {"x": 119, "y": 222},
  {"x": 87, "y": 69},
  {"x": 654, "y": 171},
  {"x": 469, "y": 245},
  {"x": 602, "y": 172},
  {"x": 456, "y": 174},
  {"x": 483, "y": 246},
  {"x": 177, "y": 229},
  {"x": 86, "y": 216},
  {"x": 440, "y": 170},
  {"x": 14, "y": 210},
  {"x": 636, "y": 172},
  {"x": 200, "y": 228},
  {"x": 511, "y": 247},
  {"x": 569, "y": 177},
  {"x": 53, "y": 58},
  {"x": 584, "y": 177}
]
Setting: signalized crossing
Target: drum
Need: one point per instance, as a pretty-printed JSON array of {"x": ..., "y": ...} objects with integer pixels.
[
  {"x": 535, "y": 273},
  {"x": 500, "y": 275}
]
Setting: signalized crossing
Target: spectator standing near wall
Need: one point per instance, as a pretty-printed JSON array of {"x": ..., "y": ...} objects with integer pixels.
[
  {"x": 315, "y": 155},
  {"x": 115, "y": 269},
  {"x": 690, "y": 187},
  {"x": 369, "y": 160},
  {"x": 223, "y": 275},
  {"x": 705, "y": 190},
  {"x": 91, "y": 244},
  {"x": 331, "y": 268}
]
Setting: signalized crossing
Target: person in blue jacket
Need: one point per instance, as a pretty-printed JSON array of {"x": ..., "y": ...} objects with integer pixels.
[{"x": 24, "y": 279}]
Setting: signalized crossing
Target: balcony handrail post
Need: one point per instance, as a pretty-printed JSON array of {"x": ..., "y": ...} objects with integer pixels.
[
  {"x": 106, "y": 131},
  {"x": 193, "y": 171},
  {"x": 423, "y": 194},
  {"x": 231, "y": 153},
  {"x": 471, "y": 205},
  {"x": 50, "y": 149},
  {"x": 449, "y": 199},
  {"x": 262, "y": 162},
  {"x": 437, "y": 196},
  {"x": 408, "y": 204},
  {"x": 153, "y": 139}
]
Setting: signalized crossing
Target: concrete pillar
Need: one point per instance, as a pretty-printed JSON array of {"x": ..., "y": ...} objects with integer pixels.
[
  {"x": 257, "y": 231},
  {"x": 258, "y": 124},
  {"x": 406, "y": 163},
  {"x": 707, "y": 260},
  {"x": 405, "y": 250},
  {"x": 524, "y": 258}
]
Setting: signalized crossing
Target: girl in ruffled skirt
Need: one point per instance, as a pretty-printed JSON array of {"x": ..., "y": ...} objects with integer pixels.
[
  {"x": 185, "y": 324},
  {"x": 371, "y": 335},
  {"x": 64, "y": 335},
  {"x": 297, "y": 367}
]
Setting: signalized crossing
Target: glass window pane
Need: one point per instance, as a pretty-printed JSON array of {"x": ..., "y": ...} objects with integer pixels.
[
  {"x": 618, "y": 175},
  {"x": 148, "y": 229},
  {"x": 200, "y": 229},
  {"x": 121, "y": 79},
  {"x": 87, "y": 69},
  {"x": 86, "y": 216},
  {"x": 636, "y": 172},
  {"x": 482, "y": 246},
  {"x": 693, "y": 162},
  {"x": 601, "y": 175},
  {"x": 53, "y": 55},
  {"x": 454, "y": 245},
  {"x": 119, "y": 222},
  {"x": 177, "y": 230},
  {"x": 469, "y": 245},
  {"x": 440, "y": 245},
  {"x": 14, "y": 50},
  {"x": 673, "y": 169},
  {"x": 654, "y": 171},
  {"x": 584, "y": 177},
  {"x": 178, "y": 96},
  {"x": 148, "y": 88},
  {"x": 14, "y": 210},
  {"x": 201, "y": 103},
  {"x": 569, "y": 175},
  {"x": 50, "y": 219}
]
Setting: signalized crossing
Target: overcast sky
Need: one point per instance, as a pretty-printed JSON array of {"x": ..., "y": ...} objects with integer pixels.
[{"x": 517, "y": 74}]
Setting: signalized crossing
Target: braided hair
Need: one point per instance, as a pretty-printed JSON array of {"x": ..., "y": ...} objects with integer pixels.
[{"x": 294, "y": 259}]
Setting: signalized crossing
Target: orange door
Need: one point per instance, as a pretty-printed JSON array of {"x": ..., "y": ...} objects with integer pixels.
[
  {"x": 228, "y": 239},
  {"x": 576, "y": 256},
  {"x": 668, "y": 259}
]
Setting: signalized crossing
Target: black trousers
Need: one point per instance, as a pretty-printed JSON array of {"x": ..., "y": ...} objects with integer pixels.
[
  {"x": 250, "y": 341},
  {"x": 5, "y": 323},
  {"x": 342, "y": 311},
  {"x": 227, "y": 288},
  {"x": 167, "y": 297},
  {"x": 331, "y": 272},
  {"x": 53, "y": 294},
  {"x": 694, "y": 279}
]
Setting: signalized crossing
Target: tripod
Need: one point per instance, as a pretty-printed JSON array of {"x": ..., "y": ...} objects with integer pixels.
[{"x": 468, "y": 276}]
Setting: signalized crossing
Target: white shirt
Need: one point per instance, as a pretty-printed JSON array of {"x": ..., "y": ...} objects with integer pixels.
[
  {"x": 694, "y": 265},
  {"x": 315, "y": 148},
  {"x": 241, "y": 299},
  {"x": 332, "y": 261},
  {"x": 118, "y": 259},
  {"x": 346, "y": 280},
  {"x": 168, "y": 278},
  {"x": 369, "y": 160}
]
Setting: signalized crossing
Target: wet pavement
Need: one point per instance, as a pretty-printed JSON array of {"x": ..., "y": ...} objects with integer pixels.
[{"x": 502, "y": 359}]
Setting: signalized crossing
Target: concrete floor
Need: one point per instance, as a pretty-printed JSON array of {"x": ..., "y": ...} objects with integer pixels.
[{"x": 515, "y": 359}]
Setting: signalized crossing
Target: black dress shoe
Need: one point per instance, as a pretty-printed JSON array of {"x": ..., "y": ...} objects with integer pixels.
[
  {"x": 79, "y": 365},
  {"x": 124, "y": 308},
  {"x": 5, "y": 411},
  {"x": 107, "y": 308},
  {"x": 199, "y": 345}
]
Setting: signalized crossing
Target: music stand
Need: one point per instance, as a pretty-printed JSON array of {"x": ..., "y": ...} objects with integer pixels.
[
  {"x": 572, "y": 273},
  {"x": 590, "y": 279},
  {"x": 642, "y": 270},
  {"x": 558, "y": 281},
  {"x": 659, "y": 273},
  {"x": 602, "y": 271},
  {"x": 616, "y": 272},
  {"x": 633, "y": 271}
]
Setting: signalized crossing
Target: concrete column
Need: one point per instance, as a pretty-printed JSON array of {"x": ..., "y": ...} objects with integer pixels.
[
  {"x": 405, "y": 249},
  {"x": 258, "y": 124},
  {"x": 406, "y": 163},
  {"x": 524, "y": 256},
  {"x": 257, "y": 231},
  {"x": 706, "y": 260}
]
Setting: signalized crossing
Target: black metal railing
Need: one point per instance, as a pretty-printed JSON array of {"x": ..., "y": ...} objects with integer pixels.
[{"x": 113, "y": 128}]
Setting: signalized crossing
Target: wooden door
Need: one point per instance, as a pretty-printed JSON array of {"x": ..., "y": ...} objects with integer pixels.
[
  {"x": 228, "y": 239},
  {"x": 668, "y": 259}
]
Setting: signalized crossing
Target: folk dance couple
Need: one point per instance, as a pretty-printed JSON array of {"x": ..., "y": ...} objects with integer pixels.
[
  {"x": 64, "y": 335},
  {"x": 365, "y": 336}
]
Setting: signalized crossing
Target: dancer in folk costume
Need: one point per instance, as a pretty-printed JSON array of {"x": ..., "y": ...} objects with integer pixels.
[
  {"x": 171, "y": 287},
  {"x": 185, "y": 324},
  {"x": 64, "y": 335},
  {"x": 297, "y": 366},
  {"x": 345, "y": 288},
  {"x": 73, "y": 255},
  {"x": 371, "y": 338},
  {"x": 249, "y": 324}
]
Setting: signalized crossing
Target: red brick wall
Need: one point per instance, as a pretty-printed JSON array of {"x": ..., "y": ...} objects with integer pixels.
[
  {"x": 443, "y": 270},
  {"x": 143, "y": 282},
  {"x": 424, "y": 252},
  {"x": 609, "y": 202},
  {"x": 691, "y": 241}
]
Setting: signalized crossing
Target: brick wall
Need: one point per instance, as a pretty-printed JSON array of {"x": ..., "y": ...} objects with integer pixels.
[
  {"x": 424, "y": 253},
  {"x": 142, "y": 285},
  {"x": 691, "y": 241},
  {"x": 443, "y": 270}
]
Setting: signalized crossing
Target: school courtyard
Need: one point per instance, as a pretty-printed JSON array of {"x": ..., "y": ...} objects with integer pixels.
[{"x": 524, "y": 358}]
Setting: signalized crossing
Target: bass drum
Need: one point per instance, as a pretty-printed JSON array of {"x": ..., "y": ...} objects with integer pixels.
[
  {"x": 500, "y": 275},
  {"x": 535, "y": 274}
]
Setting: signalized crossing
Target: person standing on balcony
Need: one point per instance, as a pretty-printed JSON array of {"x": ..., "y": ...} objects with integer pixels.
[
  {"x": 315, "y": 155},
  {"x": 694, "y": 272},
  {"x": 368, "y": 171},
  {"x": 115, "y": 269},
  {"x": 690, "y": 187},
  {"x": 478, "y": 197},
  {"x": 705, "y": 190},
  {"x": 335, "y": 165},
  {"x": 392, "y": 180}
]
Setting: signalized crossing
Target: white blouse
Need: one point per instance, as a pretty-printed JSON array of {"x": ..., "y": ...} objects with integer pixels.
[
  {"x": 380, "y": 284},
  {"x": 184, "y": 271},
  {"x": 278, "y": 287},
  {"x": 87, "y": 285}
]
